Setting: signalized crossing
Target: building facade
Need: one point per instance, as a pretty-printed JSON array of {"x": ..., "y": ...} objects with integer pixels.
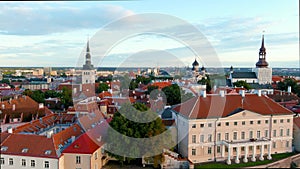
[{"x": 232, "y": 128}]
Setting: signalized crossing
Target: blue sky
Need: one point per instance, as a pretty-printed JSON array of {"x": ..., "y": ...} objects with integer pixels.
[{"x": 55, "y": 33}]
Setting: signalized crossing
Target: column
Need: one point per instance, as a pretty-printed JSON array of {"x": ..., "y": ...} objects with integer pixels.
[
  {"x": 261, "y": 158},
  {"x": 254, "y": 153},
  {"x": 246, "y": 155},
  {"x": 269, "y": 152},
  {"x": 229, "y": 154},
  {"x": 223, "y": 151},
  {"x": 237, "y": 160}
]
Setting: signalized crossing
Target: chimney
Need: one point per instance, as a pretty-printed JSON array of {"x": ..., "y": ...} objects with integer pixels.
[
  {"x": 289, "y": 89},
  {"x": 13, "y": 107},
  {"x": 73, "y": 139},
  {"x": 222, "y": 93},
  {"x": 10, "y": 129},
  {"x": 242, "y": 93},
  {"x": 259, "y": 93},
  {"x": 3, "y": 106},
  {"x": 49, "y": 133},
  {"x": 41, "y": 105},
  {"x": 203, "y": 93}
]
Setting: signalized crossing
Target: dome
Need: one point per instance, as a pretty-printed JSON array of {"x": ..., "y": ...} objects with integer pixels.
[{"x": 195, "y": 63}]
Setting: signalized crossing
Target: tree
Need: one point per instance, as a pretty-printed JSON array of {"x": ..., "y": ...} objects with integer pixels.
[
  {"x": 52, "y": 94},
  {"x": 126, "y": 126},
  {"x": 289, "y": 82},
  {"x": 175, "y": 94},
  {"x": 66, "y": 97},
  {"x": 38, "y": 96},
  {"x": 206, "y": 81},
  {"x": 102, "y": 87},
  {"x": 242, "y": 83}
]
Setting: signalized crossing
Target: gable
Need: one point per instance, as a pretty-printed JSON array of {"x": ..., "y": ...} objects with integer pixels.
[{"x": 245, "y": 114}]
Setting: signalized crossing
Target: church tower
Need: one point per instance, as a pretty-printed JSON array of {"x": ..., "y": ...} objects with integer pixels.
[
  {"x": 88, "y": 71},
  {"x": 263, "y": 72}
]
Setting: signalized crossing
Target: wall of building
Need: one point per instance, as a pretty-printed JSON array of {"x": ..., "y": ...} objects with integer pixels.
[
  {"x": 264, "y": 75},
  {"x": 70, "y": 161},
  {"x": 17, "y": 162},
  {"x": 207, "y": 149},
  {"x": 296, "y": 140}
]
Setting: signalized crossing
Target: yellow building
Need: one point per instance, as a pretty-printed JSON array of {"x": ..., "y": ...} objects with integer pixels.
[{"x": 232, "y": 127}]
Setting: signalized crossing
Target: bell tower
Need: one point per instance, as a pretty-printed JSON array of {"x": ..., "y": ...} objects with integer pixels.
[
  {"x": 263, "y": 72},
  {"x": 88, "y": 71}
]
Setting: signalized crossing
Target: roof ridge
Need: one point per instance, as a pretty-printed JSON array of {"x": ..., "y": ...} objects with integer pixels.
[{"x": 194, "y": 106}]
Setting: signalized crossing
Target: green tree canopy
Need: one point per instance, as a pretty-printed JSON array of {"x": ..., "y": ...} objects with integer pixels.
[
  {"x": 206, "y": 81},
  {"x": 289, "y": 82},
  {"x": 102, "y": 87},
  {"x": 125, "y": 126},
  {"x": 175, "y": 94},
  {"x": 242, "y": 83}
]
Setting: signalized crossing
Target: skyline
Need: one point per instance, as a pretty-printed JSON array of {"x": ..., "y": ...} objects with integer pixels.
[{"x": 46, "y": 33}]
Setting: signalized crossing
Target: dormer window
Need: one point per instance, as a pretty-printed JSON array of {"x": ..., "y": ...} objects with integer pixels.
[
  {"x": 4, "y": 148},
  {"x": 47, "y": 152},
  {"x": 25, "y": 150}
]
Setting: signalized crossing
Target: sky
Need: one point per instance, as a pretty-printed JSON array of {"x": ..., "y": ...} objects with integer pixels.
[{"x": 228, "y": 32}]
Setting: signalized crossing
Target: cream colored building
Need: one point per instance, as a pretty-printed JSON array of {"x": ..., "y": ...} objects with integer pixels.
[
  {"x": 296, "y": 134},
  {"x": 232, "y": 128}
]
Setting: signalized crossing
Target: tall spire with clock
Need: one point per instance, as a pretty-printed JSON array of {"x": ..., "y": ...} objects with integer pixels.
[{"x": 88, "y": 72}]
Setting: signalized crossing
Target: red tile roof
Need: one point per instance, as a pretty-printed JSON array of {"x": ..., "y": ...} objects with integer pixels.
[
  {"x": 36, "y": 145},
  {"x": 217, "y": 106},
  {"x": 63, "y": 136},
  {"x": 3, "y": 136},
  {"x": 90, "y": 141},
  {"x": 297, "y": 121}
]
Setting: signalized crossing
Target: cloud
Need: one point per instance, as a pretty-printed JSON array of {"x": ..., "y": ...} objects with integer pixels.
[{"x": 47, "y": 18}]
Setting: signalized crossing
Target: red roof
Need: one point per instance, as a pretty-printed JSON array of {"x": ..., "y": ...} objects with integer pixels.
[
  {"x": 297, "y": 121},
  {"x": 37, "y": 145},
  {"x": 217, "y": 106},
  {"x": 90, "y": 141}
]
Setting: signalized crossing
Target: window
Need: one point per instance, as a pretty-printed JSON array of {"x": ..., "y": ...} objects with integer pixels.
[
  {"x": 250, "y": 134},
  {"x": 227, "y": 123},
  {"x": 274, "y": 121},
  {"x": 243, "y": 122},
  {"x": 274, "y": 144},
  {"x": 265, "y": 146},
  {"x": 11, "y": 161},
  {"x": 274, "y": 133},
  {"x": 258, "y": 134},
  {"x": 209, "y": 138},
  {"x": 32, "y": 163},
  {"x": 201, "y": 125},
  {"x": 235, "y": 123},
  {"x": 266, "y": 121},
  {"x": 201, "y": 138},
  {"x": 281, "y": 120},
  {"x": 226, "y": 136},
  {"x": 46, "y": 164},
  {"x": 4, "y": 148},
  {"x": 258, "y": 122},
  {"x": 288, "y": 120},
  {"x": 193, "y": 152},
  {"x": 25, "y": 150},
  {"x": 218, "y": 149},
  {"x": 219, "y": 124},
  {"x": 193, "y": 125},
  {"x": 78, "y": 160},
  {"x": 242, "y": 149},
  {"x": 209, "y": 150},
  {"x": 243, "y": 135},
  {"x": 287, "y": 132},
  {"x": 193, "y": 138},
  {"x": 23, "y": 162},
  {"x": 281, "y": 132},
  {"x": 266, "y": 133},
  {"x": 219, "y": 136},
  {"x": 251, "y": 148},
  {"x": 96, "y": 155},
  {"x": 47, "y": 152},
  {"x": 2, "y": 161},
  {"x": 287, "y": 144},
  {"x": 209, "y": 125},
  {"x": 234, "y": 135},
  {"x": 251, "y": 122}
]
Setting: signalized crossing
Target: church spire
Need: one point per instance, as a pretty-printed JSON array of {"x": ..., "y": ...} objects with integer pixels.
[
  {"x": 262, "y": 55},
  {"x": 88, "y": 65}
]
